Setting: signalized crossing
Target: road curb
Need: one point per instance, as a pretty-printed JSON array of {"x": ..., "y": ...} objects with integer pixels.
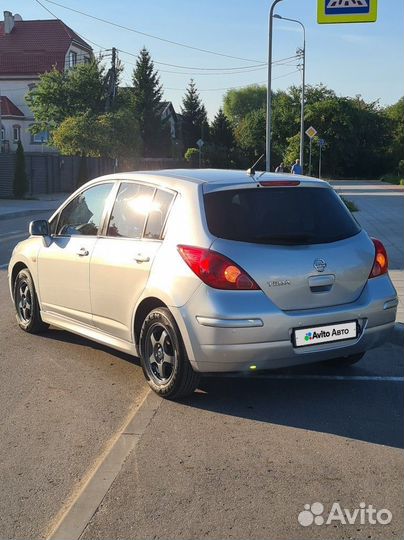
[
  {"x": 82, "y": 509},
  {"x": 22, "y": 213}
]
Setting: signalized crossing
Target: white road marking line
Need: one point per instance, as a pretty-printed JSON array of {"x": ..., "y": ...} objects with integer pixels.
[
  {"x": 77, "y": 513},
  {"x": 297, "y": 377}
]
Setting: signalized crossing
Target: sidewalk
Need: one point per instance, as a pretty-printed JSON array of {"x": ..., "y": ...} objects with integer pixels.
[
  {"x": 381, "y": 214},
  {"x": 11, "y": 208}
]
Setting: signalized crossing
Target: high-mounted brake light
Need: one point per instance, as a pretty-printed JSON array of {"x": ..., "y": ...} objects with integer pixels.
[
  {"x": 380, "y": 263},
  {"x": 279, "y": 183},
  {"x": 216, "y": 270}
]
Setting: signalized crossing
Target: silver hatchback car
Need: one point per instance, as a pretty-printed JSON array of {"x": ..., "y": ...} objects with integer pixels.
[{"x": 201, "y": 271}]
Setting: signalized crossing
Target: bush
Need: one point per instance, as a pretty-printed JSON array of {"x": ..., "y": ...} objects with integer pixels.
[
  {"x": 20, "y": 183},
  {"x": 192, "y": 156},
  {"x": 350, "y": 205}
]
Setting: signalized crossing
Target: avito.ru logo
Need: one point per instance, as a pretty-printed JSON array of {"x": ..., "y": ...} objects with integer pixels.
[{"x": 314, "y": 513}]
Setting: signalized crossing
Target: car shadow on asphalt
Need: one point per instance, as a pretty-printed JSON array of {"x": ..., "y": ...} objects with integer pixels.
[
  {"x": 366, "y": 410},
  {"x": 67, "y": 337}
]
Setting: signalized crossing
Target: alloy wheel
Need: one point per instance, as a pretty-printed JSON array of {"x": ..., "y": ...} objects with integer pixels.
[
  {"x": 161, "y": 356},
  {"x": 24, "y": 301}
]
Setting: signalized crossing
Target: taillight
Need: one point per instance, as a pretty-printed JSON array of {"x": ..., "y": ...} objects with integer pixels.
[
  {"x": 216, "y": 270},
  {"x": 380, "y": 263}
]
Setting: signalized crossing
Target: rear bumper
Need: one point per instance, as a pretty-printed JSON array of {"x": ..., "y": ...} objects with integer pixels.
[{"x": 229, "y": 331}]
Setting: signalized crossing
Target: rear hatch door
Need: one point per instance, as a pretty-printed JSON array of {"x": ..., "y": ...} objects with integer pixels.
[{"x": 300, "y": 244}]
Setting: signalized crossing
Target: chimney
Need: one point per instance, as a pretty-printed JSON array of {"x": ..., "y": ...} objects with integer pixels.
[{"x": 8, "y": 22}]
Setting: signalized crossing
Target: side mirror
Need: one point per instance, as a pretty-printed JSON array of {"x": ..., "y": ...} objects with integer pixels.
[{"x": 39, "y": 227}]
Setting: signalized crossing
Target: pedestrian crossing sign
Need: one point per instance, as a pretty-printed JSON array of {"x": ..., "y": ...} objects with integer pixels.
[{"x": 346, "y": 11}]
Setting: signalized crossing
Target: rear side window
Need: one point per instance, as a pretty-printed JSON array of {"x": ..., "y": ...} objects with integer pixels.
[
  {"x": 158, "y": 213},
  {"x": 279, "y": 215},
  {"x": 130, "y": 210}
]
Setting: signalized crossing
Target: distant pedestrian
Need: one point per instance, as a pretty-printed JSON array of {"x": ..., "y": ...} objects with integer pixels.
[
  {"x": 279, "y": 168},
  {"x": 296, "y": 167}
]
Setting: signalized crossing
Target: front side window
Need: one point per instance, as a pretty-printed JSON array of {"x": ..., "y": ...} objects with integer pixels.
[
  {"x": 131, "y": 208},
  {"x": 83, "y": 215}
]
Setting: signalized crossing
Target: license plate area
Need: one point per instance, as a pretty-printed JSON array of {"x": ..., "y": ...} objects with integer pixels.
[{"x": 329, "y": 333}]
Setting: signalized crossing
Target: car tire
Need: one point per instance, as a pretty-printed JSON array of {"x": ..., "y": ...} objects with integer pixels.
[
  {"x": 163, "y": 356},
  {"x": 349, "y": 360},
  {"x": 26, "y": 304}
]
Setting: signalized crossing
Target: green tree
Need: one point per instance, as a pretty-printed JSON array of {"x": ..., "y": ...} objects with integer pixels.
[
  {"x": 250, "y": 134},
  {"x": 221, "y": 131},
  {"x": 237, "y": 103},
  {"x": 20, "y": 183},
  {"x": 395, "y": 118},
  {"x": 147, "y": 94},
  {"x": 313, "y": 94},
  {"x": 355, "y": 135},
  {"x": 61, "y": 94},
  {"x": 220, "y": 152},
  {"x": 195, "y": 122},
  {"x": 111, "y": 134}
]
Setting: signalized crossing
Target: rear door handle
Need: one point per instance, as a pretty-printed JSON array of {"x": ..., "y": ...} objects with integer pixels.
[
  {"x": 142, "y": 258},
  {"x": 83, "y": 252}
]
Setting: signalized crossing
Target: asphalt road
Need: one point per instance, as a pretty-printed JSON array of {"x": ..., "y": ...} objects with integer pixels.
[
  {"x": 13, "y": 231},
  {"x": 239, "y": 459},
  {"x": 62, "y": 399}
]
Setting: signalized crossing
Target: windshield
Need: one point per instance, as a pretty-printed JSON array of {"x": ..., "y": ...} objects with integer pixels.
[{"x": 279, "y": 215}]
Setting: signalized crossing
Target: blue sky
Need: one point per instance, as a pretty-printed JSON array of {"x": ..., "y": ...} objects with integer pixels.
[{"x": 352, "y": 59}]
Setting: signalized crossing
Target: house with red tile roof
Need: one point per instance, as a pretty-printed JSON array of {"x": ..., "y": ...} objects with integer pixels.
[{"x": 28, "y": 49}]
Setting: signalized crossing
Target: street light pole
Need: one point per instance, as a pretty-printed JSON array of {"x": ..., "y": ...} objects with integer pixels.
[
  {"x": 269, "y": 88},
  {"x": 303, "y": 87}
]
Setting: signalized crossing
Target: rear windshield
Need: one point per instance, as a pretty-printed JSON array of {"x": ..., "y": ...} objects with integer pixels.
[{"x": 279, "y": 215}]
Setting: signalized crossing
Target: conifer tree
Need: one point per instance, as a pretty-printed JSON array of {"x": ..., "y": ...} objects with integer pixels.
[
  {"x": 20, "y": 183},
  {"x": 195, "y": 121},
  {"x": 147, "y": 94}
]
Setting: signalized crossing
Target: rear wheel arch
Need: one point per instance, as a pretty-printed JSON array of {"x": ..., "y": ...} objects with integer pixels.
[{"x": 143, "y": 309}]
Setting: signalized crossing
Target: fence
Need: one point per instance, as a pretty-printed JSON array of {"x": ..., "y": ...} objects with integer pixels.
[{"x": 52, "y": 173}]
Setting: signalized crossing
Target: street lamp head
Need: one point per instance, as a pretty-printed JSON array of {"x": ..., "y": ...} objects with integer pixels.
[{"x": 276, "y": 16}]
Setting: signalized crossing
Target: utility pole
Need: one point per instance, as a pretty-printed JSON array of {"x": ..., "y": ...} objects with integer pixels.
[
  {"x": 111, "y": 81},
  {"x": 319, "y": 162},
  {"x": 302, "y": 104},
  {"x": 269, "y": 88},
  {"x": 321, "y": 144},
  {"x": 302, "y": 53},
  {"x": 311, "y": 139},
  {"x": 113, "y": 69}
]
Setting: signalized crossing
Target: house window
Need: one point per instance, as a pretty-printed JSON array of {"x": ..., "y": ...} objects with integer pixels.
[
  {"x": 16, "y": 133},
  {"x": 2, "y": 133},
  {"x": 41, "y": 137},
  {"x": 72, "y": 59}
]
